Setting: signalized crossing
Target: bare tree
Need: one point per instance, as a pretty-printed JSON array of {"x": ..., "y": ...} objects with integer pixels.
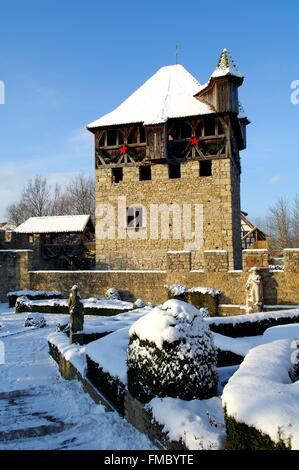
[
  {"x": 61, "y": 202},
  {"x": 40, "y": 199},
  {"x": 37, "y": 197},
  {"x": 280, "y": 224},
  {"x": 81, "y": 192},
  {"x": 16, "y": 213},
  {"x": 295, "y": 222}
]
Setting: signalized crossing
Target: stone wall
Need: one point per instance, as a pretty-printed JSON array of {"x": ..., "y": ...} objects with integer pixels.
[
  {"x": 216, "y": 260},
  {"x": 279, "y": 287},
  {"x": 291, "y": 260},
  {"x": 218, "y": 196},
  {"x": 148, "y": 285},
  {"x": 255, "y": 257},
  {"x": 14, "y": 271}
]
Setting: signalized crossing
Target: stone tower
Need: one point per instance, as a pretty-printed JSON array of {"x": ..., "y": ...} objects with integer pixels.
[{"x": 168, "y": 170}]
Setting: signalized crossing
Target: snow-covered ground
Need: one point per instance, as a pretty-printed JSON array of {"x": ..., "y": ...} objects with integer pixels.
[{"x": 41, "y": 410}]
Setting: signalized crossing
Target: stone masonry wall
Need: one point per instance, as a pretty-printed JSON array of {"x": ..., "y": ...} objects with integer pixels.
[
  {"x": 137, "y": 250},
  {"x": 291, "y": 259},
  {"x": 215, "y": 260},
  {"x": 132, "y": 284},
  {"x": 14, "y": 271},
  {"x": 279, "y": 287}
]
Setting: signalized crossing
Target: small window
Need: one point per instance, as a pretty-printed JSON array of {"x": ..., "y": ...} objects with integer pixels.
[
  {"x": 198, "y": 130},
  {"x": 174, "y": 171},
  {"x": 111, "y": 137},
  {"x": 102, "y": 140},
  {"x": 220, "y": 128},
  {"x": 186, "y": 131},
  {"x": 142, "y": 138},
  {"x": 205, "y": 168},
  {"x": 133, "y": 136},
  {"x": 174, "y": 132},
  {"x": 8, "y": 237},
  {"x": 117, "y": 175},
  {"x": 134, "y": 218},
  {"x": 120, "y": 138},
  {"x": 30, "y": 239},
  {"x": 209, "y": 126},
  {"x": 145, "y": 173}
]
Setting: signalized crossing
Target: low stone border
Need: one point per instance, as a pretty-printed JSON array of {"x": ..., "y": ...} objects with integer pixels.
[
  {"x": 69, "y": 372},
  {"x": 133, "y": 410}
]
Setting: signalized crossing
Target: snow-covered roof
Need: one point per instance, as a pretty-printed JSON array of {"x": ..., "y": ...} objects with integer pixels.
[
  {"x": 226, "y": 66},
  {"x": 169, "y": 93},
  {"x": 54, "y": 224}
]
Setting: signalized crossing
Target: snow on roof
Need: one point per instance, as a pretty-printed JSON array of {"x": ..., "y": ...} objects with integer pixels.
[
  {"x": 54, "y": 224},
  {"x": 226, "y": 66},
  {"x": 169, "y": 93}
]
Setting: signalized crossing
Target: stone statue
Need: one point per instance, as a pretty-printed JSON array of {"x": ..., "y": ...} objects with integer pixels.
[
  {"x": 254, "y": 291},
  {"x": 76, "y": 316}
]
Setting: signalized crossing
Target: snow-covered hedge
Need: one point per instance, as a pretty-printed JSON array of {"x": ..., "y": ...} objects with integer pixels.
[
  {"x": 92, "y": 306},
  {"x": 195, "y": 424},
  {"x": 251, "y": 324},
  {"x": 198, "y": 296},
  {"x": 33, "y": 295},
  {"x": 171, "y": 353},
  {"x": 262, "y": 402},
  {"x": 179, "y": 290},
  {"x": 107, "y": 368}
]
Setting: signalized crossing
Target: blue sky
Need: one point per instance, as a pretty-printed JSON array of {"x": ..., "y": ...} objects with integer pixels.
[{"x": 65, "y": 63}]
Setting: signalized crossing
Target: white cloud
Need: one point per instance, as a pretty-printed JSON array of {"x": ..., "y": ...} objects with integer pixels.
[{"x": 276, "y": 179}]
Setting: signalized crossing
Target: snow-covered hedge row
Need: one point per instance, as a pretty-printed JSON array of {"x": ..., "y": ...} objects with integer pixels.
[
  {"x": 195, "y": 424},
  {"x": 33, "y": 295},
  {"x": 107, "y": 368},
  {"x": 262, "y": 402},
  {"x": 177, "y": 290},
  {"x": 171, "y": 353},
  {"x": 198, "y": 296},
  {"x": 251, "y": 324},
  {"x": 92, "y": 306}
]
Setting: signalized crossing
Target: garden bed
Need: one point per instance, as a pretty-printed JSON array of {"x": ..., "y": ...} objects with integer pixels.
[
  {"x": 98, "y": 307},
  {"x": 33, "y": 295},
  {"x": 262, "y": 402},
  {"x": 251, "y": 324}
]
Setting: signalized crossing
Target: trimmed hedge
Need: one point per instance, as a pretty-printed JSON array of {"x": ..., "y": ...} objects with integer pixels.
[
  {"x": 111, "y": 387},
  {"x": 23, "y": 307},
  {"x": 228, "y": 358},
  {"x": 38, "y": 295},
  {"x": 144, "y": 383},
  {"x": 252, "y": 328},
  {"x": 240, "y": 436}
]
